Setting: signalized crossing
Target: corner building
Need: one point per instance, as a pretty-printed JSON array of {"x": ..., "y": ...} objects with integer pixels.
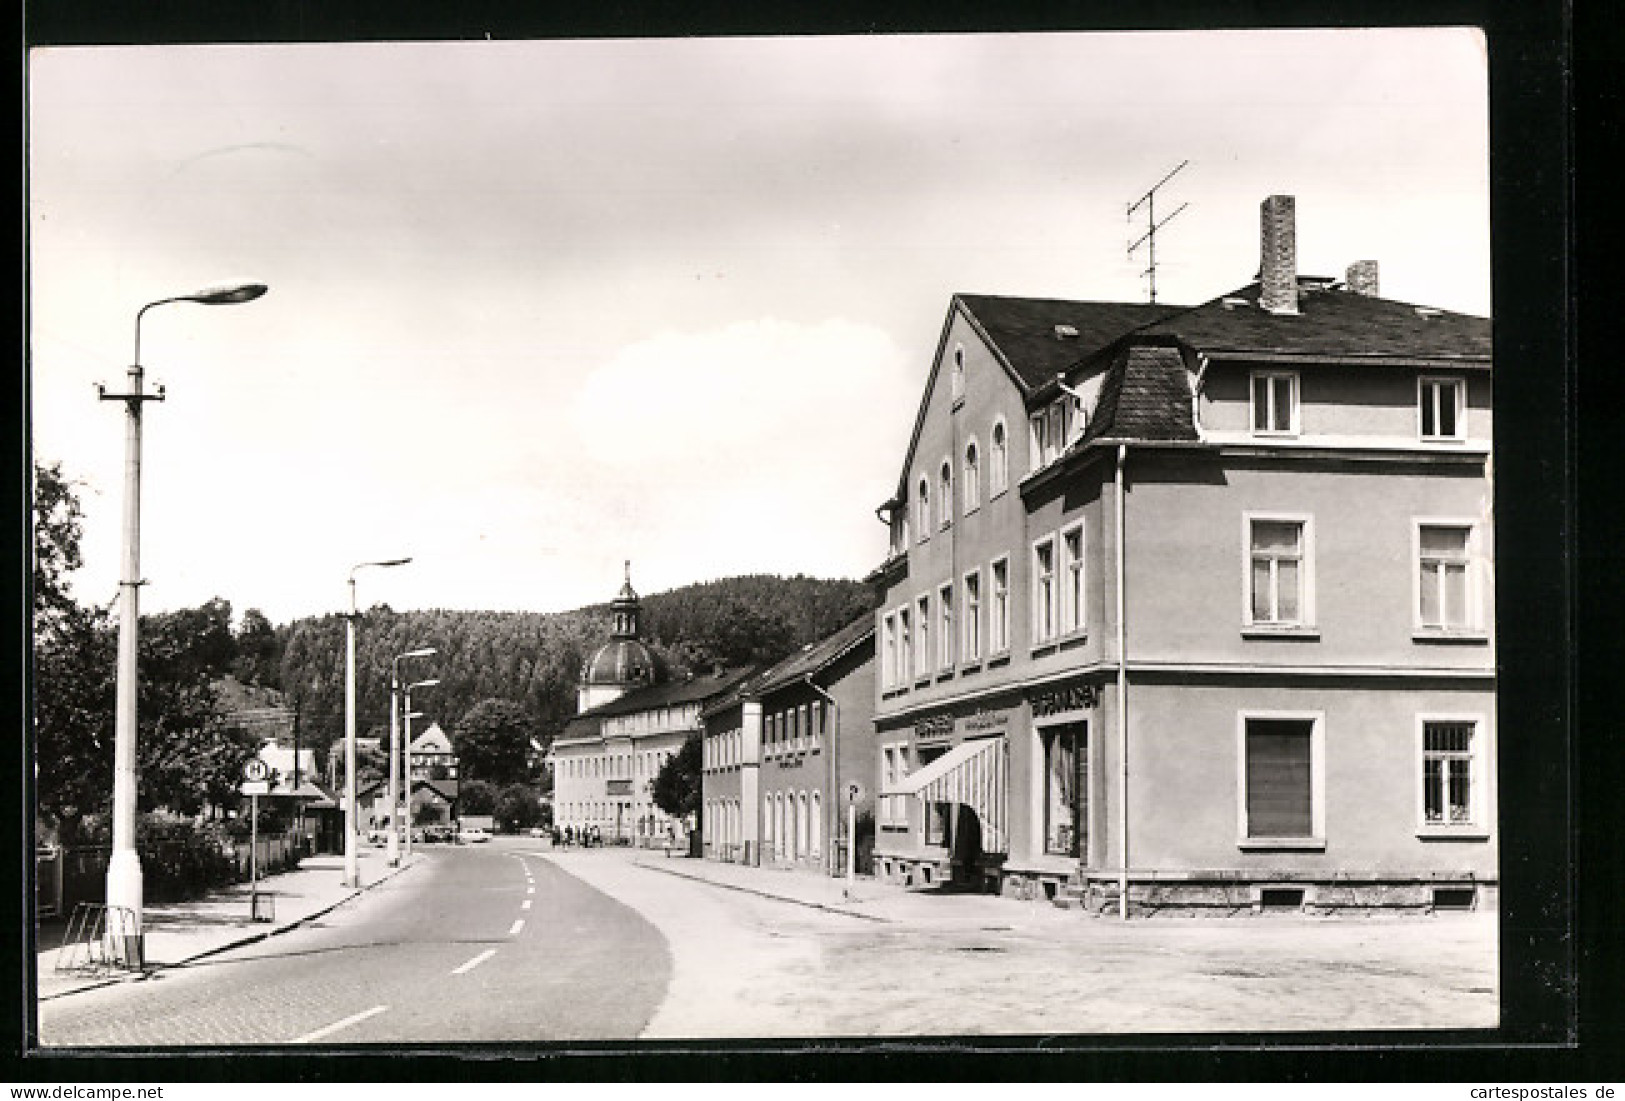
[{"x": 1191, "y": 607}]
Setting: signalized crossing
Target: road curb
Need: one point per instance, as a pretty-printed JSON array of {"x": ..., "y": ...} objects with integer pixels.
[
  {"x": 767, "y": 894},
  {"x": 253, "y": 938}
]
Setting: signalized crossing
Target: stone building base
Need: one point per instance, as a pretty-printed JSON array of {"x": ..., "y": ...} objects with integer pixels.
[{"x": 1237, "y": 894}]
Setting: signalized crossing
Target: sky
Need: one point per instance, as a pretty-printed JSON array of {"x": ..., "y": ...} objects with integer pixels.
[{"x": 538, "y": 308}]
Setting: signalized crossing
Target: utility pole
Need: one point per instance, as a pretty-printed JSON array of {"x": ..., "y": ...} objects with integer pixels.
[{"x": 1149, "y": 238}]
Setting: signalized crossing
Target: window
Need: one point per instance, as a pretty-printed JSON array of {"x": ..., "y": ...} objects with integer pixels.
[
  {"x": 815, "y": 827},
  {"x": 945, "y": 498},
  {"x": 1278, "y": 578},
  {"x": 922, "y": 652},
  {"x": 1450, "y": 782},
  {"x": 922, "y": 511},
  {"x": 945, "y": 632},
  {"x": 888, "y": 661},
  {"x": 1037, "y": 439},
  {"x": 1282, "y": 780},
  {"x": 804, "y": 727},
  {"x": 1440, "y": 405},
  {"x": 905, "y": 652},
  {"x": 1445, "y": 598},
  {"x": 1044, "y": 594},
  {"x": 1275, "y": 403},
  {"x": 959, "y": 373},
  {"x": 1072, "y": 595},
  {"x": 998, "y": 627},
  {"x": 891, "y": 809},
  {"x": 971, "y": 616},
  {"x": 998, "y": 476},
  {"x": 972, "y": 479},
  {"x": 1066, "y": 790},
  {"x": 1057, "y": 430}
]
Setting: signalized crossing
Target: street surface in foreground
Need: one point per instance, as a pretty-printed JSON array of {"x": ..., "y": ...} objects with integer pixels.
[{"x": 611, "y": 949}]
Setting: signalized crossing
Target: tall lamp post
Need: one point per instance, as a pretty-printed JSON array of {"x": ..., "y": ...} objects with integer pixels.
[
  {"x": 394, "y": 843},
  {"x": 124, "y": 880},
  {"x": 406, "y": 755},
  {"x": 352, "y": 874}
]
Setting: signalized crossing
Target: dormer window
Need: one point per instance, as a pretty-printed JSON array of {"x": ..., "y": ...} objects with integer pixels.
[
  {"x": 1275, "y": 403},
  {"x": 1048, "y": 429},
  {"x": 1441, "y": 404}
]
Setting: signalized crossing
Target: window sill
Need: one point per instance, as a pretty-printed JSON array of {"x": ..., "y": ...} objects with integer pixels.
[
  {"x": 1281, "y": 844},
  {"x": 1453, "y": 833},
  {"x": 970, "y": 667},
  {"x": 944, "y": 674},
  {"x": 922, "y": 682},
  {"x": 1002, "y": 658},
  {"x": 1464, "y": 636},
  {"x": 1045, "y": 648},
  {"x": 1294, "y": 632}
]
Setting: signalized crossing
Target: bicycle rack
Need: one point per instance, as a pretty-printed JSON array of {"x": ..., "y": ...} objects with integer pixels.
[{"x": 101, "y": 938}]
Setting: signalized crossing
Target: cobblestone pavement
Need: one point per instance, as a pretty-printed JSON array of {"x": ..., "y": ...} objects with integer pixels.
[{"x": 897, "y": 963}]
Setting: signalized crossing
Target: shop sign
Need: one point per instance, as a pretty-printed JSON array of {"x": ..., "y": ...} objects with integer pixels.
[
  {"x": 987, "y": 720},
  {"x": 934, "y": 728},
  {"x": 1067, "y": 697}
]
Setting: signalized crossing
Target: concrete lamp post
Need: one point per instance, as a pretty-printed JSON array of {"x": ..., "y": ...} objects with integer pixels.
[
  {"x": 395, "y": 755},
  {"x": 352, "y": 873},
  {"x": 124, "y": 879},
  {"x": 406, "y": 754}
]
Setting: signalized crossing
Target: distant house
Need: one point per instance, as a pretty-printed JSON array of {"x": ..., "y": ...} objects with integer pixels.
[{"x": 432, "y": 756}]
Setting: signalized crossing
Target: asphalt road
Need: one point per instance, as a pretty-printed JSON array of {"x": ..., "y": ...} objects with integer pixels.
[{"x": 475, "y": 944}]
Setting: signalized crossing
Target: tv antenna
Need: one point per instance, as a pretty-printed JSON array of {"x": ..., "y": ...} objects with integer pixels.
[{"x": 1149, "y": 238}]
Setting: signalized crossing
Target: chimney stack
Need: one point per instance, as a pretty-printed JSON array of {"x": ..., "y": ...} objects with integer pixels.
[
  {"x": 1361, "y": 278},
  {"x": 1278, "y": 259}
]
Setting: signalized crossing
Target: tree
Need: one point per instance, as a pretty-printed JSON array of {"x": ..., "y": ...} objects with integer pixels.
[
  {"x": 476, "y": 797},
  {"x": 57, "y": 530},
  {"x": 677, "y": 785},
  {"x": 518, "y": 808},
  {"x": 259, "y": 653},
  {"x": 493, "y": 743}
]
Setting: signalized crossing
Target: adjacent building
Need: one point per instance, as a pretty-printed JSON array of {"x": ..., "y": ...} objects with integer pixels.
[
  {"x": 1193, "y": 606},
  {"x": 789, "y": 756},
  {"x": 632, "y": 720}
]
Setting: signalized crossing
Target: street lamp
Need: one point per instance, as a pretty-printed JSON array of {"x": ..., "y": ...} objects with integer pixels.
[
  {"x": 352, "y": 874},
  {"x": 124, "y": 881},
  {"x": 394, "y": 843},
  {"x": 406, "y": 755}
]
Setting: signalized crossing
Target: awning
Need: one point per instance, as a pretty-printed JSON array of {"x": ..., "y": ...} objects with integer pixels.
[{"x": 974, "y": 773}]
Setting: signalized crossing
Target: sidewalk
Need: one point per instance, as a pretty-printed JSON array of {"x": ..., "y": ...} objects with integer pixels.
[
  {"x": 919, "y": 907},
  {"x": 178, "y": 933}
]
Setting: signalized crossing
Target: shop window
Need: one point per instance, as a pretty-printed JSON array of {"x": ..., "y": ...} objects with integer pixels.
[{"x": 1066, "y": 790}]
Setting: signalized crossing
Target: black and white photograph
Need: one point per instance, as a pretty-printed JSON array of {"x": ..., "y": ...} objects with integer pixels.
[{"x": 763, "y": 539}]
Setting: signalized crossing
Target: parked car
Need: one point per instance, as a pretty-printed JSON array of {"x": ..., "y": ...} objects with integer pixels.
[
  {"x": 538, "y": 831},
  {"x": 472, "y": 835},
  {"x": 439, "y": 834}
]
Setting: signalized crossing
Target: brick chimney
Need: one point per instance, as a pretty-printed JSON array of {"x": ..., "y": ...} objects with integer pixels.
[
  {"x": 1278, "y": 255},
  {"x": 1361, "y": 278}
]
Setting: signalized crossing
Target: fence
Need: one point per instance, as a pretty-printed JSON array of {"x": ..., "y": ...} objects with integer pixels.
[{"x": 172, "y": 870}]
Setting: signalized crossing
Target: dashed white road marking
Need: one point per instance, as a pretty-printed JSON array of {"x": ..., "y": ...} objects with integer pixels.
[
  {"x": 475, "y": 962},
  {"x": 530, "y": 890},
  {"x": 525, "y": 905},
  {"x": 357, "y": 1018},
  {"x": 517, "y": 925}
]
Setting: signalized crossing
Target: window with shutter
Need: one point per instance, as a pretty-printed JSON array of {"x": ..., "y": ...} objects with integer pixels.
[{"x": 1280, "y": 778}]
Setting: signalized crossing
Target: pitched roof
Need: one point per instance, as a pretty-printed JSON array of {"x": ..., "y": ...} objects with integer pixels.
[
  {"x": 698, "y": 689},
  {"x": 1330, "y": 324},
  {"x": 1146, "y": 395},
  {"x": 816, "y": 656},
  {"x": 1023, "y": 330}
]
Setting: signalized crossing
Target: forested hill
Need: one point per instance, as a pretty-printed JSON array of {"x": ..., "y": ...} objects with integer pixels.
[{"x": 534, "y": 659}]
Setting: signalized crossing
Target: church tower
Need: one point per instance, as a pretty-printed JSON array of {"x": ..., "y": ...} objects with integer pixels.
[{"x": 624, "y": 662}]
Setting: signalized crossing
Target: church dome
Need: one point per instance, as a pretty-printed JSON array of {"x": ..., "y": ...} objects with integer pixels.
[{"x": 621, "y": 661}]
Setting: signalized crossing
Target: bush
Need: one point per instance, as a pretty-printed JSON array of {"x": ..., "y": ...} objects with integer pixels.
[{"x": 180, "y": 858}]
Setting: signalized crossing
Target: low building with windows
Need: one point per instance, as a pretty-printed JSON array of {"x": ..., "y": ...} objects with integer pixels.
[
  {"x": 632, "y": 721},
  {"x": 432, "y": 755},
  {"x": 788, "y": 765},
  {"x": 1193, "y": 606}
]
